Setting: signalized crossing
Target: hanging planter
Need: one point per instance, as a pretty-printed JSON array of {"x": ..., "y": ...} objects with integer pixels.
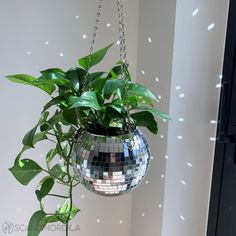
[
  {"x": 94, "y": 129},
  {"x": 111, "y": 165}
]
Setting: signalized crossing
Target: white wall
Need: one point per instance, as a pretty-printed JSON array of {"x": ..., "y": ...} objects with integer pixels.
[
  {"x": 155, "y": 50},
  {"x": 25, "y": 26},
  {"x": 197, "y": 63}
]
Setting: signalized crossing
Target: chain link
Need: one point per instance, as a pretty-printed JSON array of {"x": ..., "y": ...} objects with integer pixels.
[
  {"x": 96, "y": 26},
  {"x": 121, "y": 18},
  {"x": 122, "y": 38},
  {"x": 122, "y": 44}
]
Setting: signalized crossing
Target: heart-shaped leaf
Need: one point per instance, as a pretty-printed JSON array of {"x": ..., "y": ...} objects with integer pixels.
[
  {"x": 71, "y": 116},
  {"x": 65, "y": 210},
  {"x": 111, "y": 86},
  {"x": 93, "y": 59},
  {"x": 155, "y": 112},
  {"x": 87, "y": 99},
  {"x": 140, "y": 90},
  {"x": 145, "y": 119},
  {"x": 98, "y": 84},
  {"x": 58, "y": 171},
  {"x": 37, "y": 223},
  {"x": 30, "y": 80},
  {"x": 46, "y": 187},
  {"x": 25, "y": 170},
  {"x": 50, "y": 155},
  {"x": 29, "y": 137}
]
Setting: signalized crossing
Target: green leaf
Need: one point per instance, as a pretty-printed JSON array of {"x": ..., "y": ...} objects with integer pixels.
[
  {"x": 52, "y": 218},
  {"x": 53, "y": 102},
  {"x": 145, "y": 119},
  {"x": 58, "y": 171},
  {"x": 37, "y": 138},
  {"x": 57, "y": 117},
  {"x": 155, "y": 112},
  {"x": 50, "y": 155},
  {"x": 25, "y": 170},
  {"x": 46, "y": 187},
  {"x": 98, "y": 84},
  {"x": 54, "y": 73},
  {"x": 37, "y": 223},
  {"x": 93, "y": 59},
  {"x": 77, "y": 77},
  {"x": 87, "y": 99},
  {"x": 30, "y": 80},
  {"x": 140, "y": 90},
  {"x": 65, "y": 210},
  {"x": 94, "y": 76},
  {"x": 71, "y": 116},
  {"x": 43, "y": 117},
  {"x": 44, "y": 81},
  {"x": 29, "y": 137},
  {"x": 117, "y": 105},
  {"x": 137, "y": 101},
  {"x": 121, "y": 92},
  {"x": 54, "y": 76},
  {"x": 111, "y": 86}
]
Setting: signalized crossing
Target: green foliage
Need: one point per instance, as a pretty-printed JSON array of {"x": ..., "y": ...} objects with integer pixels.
[
  {"x": 46, "y": 187},
  {"x": 97, "y": 101},
  {"x": 93, "y": 59},
  {"x": 37, "y": 223},
  {"x": 67, "y": 210},
  {"x": 25, "y": 170}
]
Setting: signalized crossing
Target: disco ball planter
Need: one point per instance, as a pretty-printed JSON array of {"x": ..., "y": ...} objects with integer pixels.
[{"x": 111, "y": 165}]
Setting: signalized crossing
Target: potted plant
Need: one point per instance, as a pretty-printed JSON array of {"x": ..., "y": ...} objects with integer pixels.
[{"x": 83, "y": 104}]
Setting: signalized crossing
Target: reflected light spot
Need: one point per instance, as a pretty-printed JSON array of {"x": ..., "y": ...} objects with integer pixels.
[
  {"x": 178, "y": 87},
  {"x": 213, "y": 122},
  {"x": 211, "y": 26},
  {"x": 189, "y": 164},
  {"x": 195, "y": 12},
  {"x": 213, "y": 139}
]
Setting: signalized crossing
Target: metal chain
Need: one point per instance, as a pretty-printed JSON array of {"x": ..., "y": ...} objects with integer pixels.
[
  {"x": 121, "y": 17},
  {"x": 122, "y": 38},
  {"x": 96, "y": 25},
  {"x": 123, "y": 52},
  {"x": 123, "y": 55}
]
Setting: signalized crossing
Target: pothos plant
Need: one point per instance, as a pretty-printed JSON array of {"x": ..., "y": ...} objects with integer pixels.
[{"x": 104, "y": 103}]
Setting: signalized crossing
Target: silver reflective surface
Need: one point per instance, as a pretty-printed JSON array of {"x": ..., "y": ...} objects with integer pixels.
[{"x": 111, "y": 166}]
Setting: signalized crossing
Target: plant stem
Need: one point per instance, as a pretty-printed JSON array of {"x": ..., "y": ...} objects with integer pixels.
[
  {"x": 70, "y": 181},
  {"x": 56, "y": 195}
]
